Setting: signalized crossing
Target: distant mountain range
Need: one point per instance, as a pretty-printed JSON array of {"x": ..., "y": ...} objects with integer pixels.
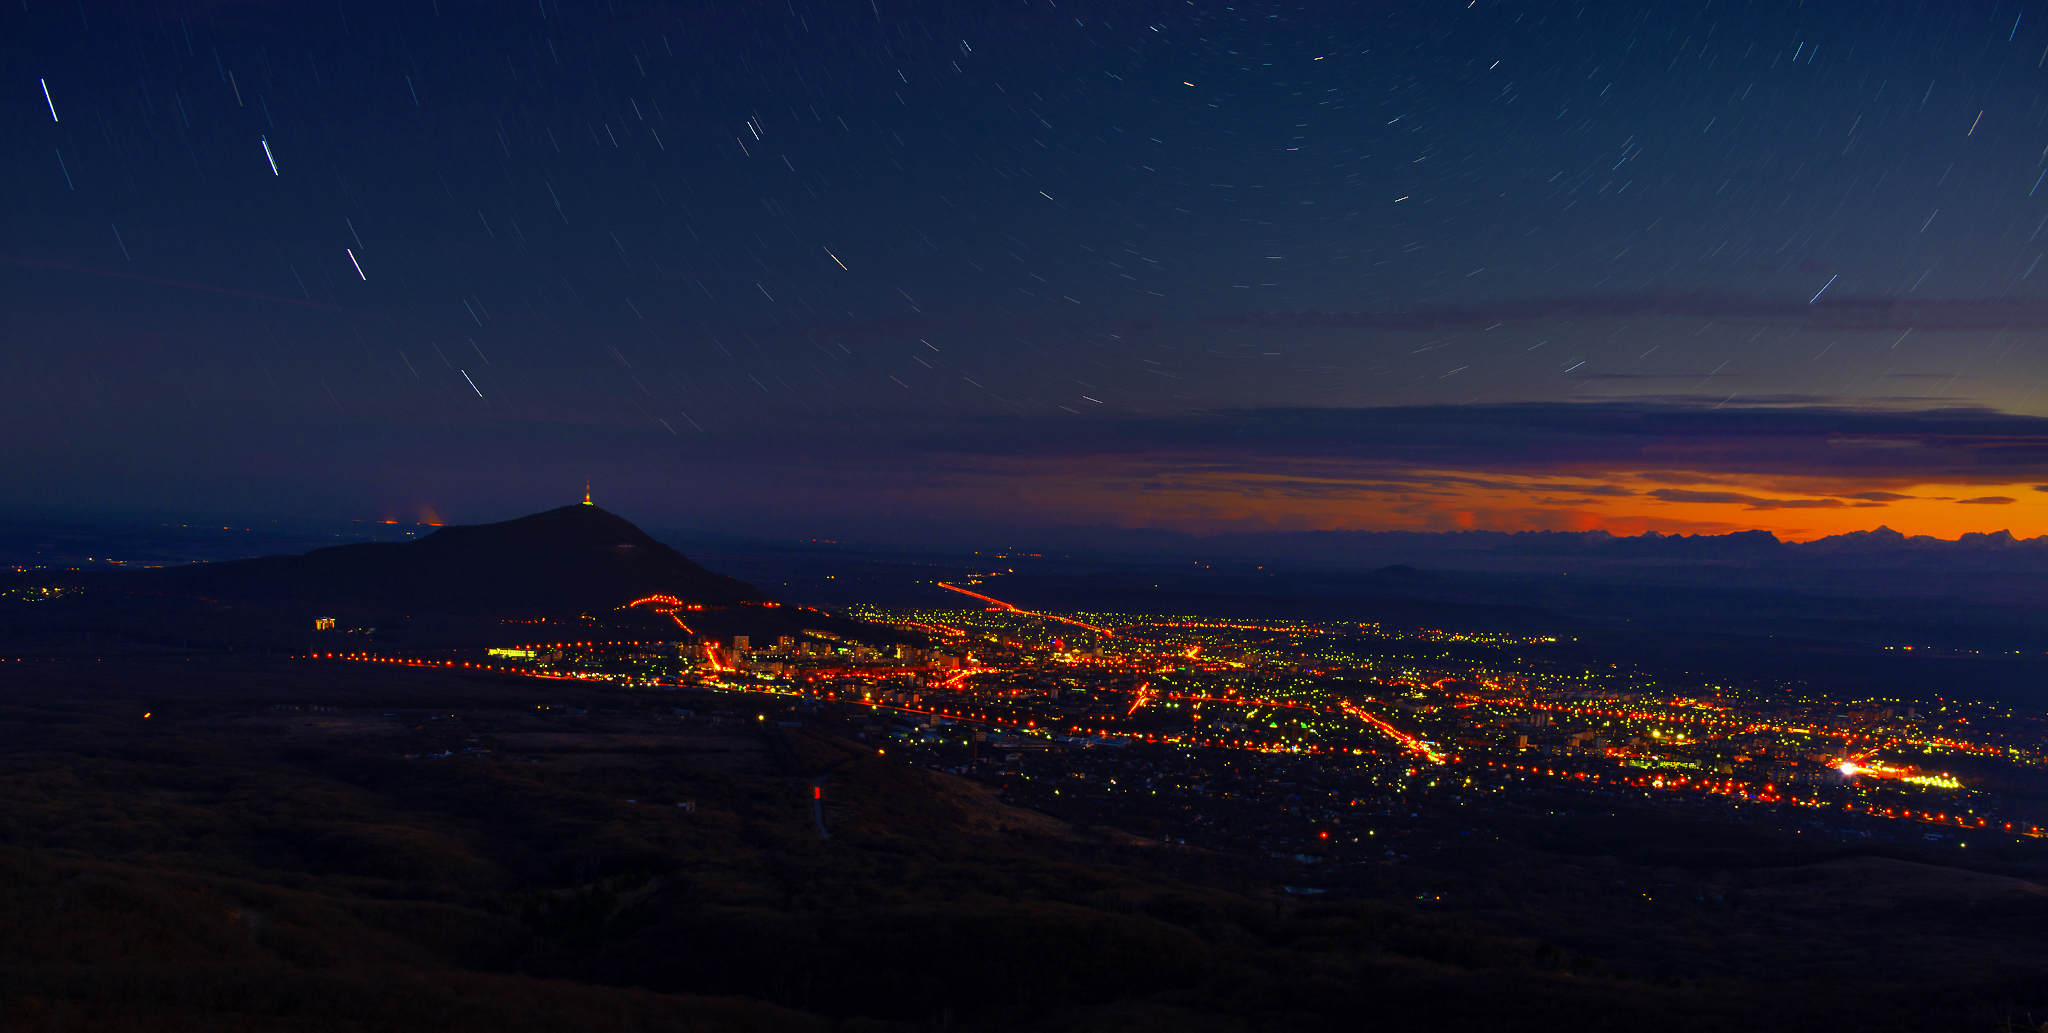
[{"x": 1882, "y": 548}]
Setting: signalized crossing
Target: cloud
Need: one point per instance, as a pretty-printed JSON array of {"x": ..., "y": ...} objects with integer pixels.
[
  {"x": 1681, "y": 495},
  {"x": 1988, "y": 500},
  {"x": 1610, "y": 490},
  {"x": 1831, "y": 313},
  {"x": 1798, "y": 504},
  {"x": 1682, "y": 444},
  {"x": 1655, "y": 376},
  {"x": 1835, "y": 313},
  {"x": 1795, "y": 470},
  {"x": 1753, "y": 502},
  {"x": 1670, "y": 477}
]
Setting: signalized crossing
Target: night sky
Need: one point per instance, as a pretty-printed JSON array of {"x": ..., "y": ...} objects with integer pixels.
[{"x": 878, "y": 269}]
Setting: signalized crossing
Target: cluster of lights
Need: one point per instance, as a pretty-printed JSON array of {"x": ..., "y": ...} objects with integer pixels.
[
  {"x": 1934, "y": 781},
  {"x": 668, "y": 604},
  {"x": 1321, "y": 708},
  {"x": 42, "y": 593}
]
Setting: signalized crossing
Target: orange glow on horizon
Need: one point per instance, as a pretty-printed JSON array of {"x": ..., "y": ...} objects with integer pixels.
[
  {"x": 1667, "y": 489},
  {"x": 1622, "y": 504}
]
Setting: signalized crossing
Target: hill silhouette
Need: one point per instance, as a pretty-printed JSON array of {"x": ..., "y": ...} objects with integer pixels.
[
  {"x": 578, "y": 558},
  {"x": 1402, "y": 574}
]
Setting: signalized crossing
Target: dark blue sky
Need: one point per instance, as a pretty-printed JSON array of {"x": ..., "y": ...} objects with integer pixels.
[{"x": 827, "y": 268}]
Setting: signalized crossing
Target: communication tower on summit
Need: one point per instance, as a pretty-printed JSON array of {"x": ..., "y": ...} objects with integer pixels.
[{"x": 586, "y": 492}]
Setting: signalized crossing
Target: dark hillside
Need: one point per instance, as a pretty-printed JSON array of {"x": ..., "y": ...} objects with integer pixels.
[
  {"x": 568, "y": 573},
  {"x": 576, "y": 558}
]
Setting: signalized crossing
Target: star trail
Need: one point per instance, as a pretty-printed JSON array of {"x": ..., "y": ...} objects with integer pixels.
[{"x": 1699, "y": 266}]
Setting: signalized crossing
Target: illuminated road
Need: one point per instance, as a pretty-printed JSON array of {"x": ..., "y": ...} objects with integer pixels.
[{"x": 1007, "y": 608}]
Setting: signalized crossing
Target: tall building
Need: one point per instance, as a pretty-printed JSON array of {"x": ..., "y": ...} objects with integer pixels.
[{"x": 741, "y": 644}]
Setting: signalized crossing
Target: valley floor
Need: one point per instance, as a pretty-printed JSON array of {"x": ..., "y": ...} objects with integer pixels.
[{"x": 251, "y": 843}]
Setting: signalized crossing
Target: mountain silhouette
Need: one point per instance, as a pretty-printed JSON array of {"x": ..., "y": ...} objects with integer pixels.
[{"x": 578, "y": 558}]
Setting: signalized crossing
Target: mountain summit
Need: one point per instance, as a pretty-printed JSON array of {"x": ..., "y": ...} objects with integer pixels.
[{"x": 578, "y": 558}]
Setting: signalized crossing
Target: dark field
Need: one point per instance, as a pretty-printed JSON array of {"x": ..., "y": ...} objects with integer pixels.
[{"x": 289, "y": 846}]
